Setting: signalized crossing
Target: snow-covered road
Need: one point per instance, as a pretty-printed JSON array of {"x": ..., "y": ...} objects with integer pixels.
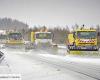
[{"x": 43, "y": 65}]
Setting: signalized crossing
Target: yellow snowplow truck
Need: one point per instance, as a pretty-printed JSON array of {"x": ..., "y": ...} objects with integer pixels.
[
  {"x": 83, "y": 40},
  {"x": 14, "y": 39},
  {"x": 41, "y": 39}
]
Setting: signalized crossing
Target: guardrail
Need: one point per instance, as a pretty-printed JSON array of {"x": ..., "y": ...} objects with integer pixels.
[{"x": 1, "y": 56}]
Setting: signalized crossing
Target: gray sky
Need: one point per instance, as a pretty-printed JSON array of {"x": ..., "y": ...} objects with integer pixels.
[{"x": 52, "y": 12}]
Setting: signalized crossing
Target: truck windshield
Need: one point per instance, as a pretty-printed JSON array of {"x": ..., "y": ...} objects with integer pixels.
[
  {"x": 86, "y": 35},
  {"x": 3, "y": 36},
  {"x": 15, "y": 36},
  {"x": 43, "y": 36}
]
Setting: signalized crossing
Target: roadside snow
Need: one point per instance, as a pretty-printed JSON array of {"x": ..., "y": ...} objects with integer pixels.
[
  {"x": 73, "y": 58},
  {"x": 62, "y": 46},
  {"x": 31, "y": 69}
]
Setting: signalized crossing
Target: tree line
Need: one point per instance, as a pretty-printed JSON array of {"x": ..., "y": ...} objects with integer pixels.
[{"x": 60, "y": 32}]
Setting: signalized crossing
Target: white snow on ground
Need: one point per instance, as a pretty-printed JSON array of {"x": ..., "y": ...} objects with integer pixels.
[
  {"x": 62, "y": 46},
  {"x": 31, "y": 69},
  {"x": 73, "y": 58},
  {"x": 31, "y": 65},
  {"x": 4, "y": 70}
]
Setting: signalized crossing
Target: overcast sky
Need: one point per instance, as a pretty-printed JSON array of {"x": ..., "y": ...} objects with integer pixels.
[{"x": 52, "y": 12}]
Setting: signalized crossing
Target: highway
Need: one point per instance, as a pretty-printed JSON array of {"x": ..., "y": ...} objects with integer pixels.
[{"x": 44, "y": 64}]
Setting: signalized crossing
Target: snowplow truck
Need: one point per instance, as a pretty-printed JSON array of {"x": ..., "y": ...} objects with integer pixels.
[
  {"x": 83, "y": 40},
  {"x": 15, "y": 40},
  {"x": 41, "y": 39}
]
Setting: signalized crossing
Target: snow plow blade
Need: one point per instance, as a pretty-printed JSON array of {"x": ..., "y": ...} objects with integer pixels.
[
  {"x": 84, "y": 53},
  {"x": 83, "y": 49},
  {"x": 73, "y": 48},
  {"x": 15, "y": 46}
]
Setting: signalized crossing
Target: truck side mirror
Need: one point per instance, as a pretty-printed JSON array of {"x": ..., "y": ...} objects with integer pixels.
[{"x": 74, "y": 34}]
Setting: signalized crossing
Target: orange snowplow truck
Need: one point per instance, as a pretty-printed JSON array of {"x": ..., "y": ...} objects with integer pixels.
[{"x": 83, "y": 39}]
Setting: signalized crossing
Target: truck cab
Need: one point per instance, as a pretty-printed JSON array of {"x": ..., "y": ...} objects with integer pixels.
[{"x": 84, "y": 39}]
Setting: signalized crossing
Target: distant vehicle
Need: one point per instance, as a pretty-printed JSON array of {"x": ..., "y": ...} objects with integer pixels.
[
  {"x": 14, "y": 39},
  {"x": 41, "y": 38},
  {"x": 83, "y": 39},
  {"x": 3, "y": 38}
]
